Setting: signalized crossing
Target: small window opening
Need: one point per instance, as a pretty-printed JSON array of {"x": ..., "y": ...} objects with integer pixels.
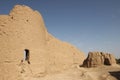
[{"x": 27, "y": 55}]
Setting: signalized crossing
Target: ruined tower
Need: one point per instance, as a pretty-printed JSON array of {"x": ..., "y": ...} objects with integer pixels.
[{"x": 24, "y": 29}]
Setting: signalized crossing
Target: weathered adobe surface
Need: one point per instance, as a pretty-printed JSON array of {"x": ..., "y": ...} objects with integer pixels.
[
  {"x": 95, "y": 59},
  {"x": 22, "y": 29}
]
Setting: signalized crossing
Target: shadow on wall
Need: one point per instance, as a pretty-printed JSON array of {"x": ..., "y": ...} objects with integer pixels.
[{"x": 115, "y": 74}]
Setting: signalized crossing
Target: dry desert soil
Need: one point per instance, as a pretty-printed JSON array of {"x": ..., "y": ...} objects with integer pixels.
[{"x": 80, "y": 73}]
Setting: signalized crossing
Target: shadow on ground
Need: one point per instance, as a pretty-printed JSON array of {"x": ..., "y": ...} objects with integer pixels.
[{"x": 115, "y": 74}]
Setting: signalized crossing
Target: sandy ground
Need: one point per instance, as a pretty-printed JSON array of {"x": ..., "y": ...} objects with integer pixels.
[{"x": 80, "y": 73}]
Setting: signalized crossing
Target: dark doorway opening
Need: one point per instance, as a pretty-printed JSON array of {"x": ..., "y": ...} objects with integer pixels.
[
  {"x": 107, "y": 61},
  {"x": 27, "y": 55}
]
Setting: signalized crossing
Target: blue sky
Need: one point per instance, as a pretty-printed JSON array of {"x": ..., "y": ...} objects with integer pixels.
[{"x": 90, "y": 25}]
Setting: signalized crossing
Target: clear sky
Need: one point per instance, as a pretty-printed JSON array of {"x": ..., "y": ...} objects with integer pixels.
[{"x": 90, "y": 25}]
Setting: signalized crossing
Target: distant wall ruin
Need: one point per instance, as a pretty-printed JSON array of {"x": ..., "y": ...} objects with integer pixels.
[{"x": 95, "y": 59}]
